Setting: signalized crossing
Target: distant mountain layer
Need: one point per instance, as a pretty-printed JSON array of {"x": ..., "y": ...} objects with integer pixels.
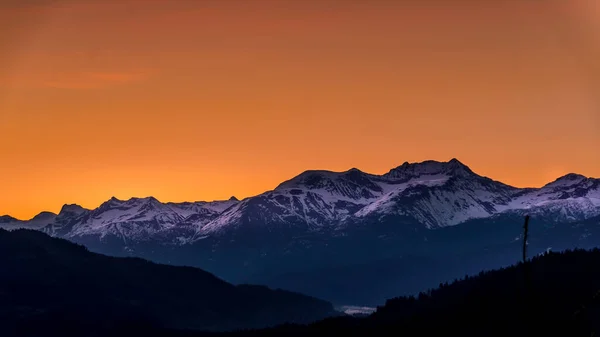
[{"x": 46, "y": 280}]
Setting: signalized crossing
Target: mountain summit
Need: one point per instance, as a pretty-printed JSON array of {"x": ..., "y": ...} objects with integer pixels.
[{"x": 411, "y": 170}]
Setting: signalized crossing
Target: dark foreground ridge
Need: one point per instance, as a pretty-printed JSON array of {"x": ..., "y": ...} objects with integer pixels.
[
  {"x": 55, "y": 288},
  {"x": 561, "y": 297},
  {"x": 51, "y": 287}
]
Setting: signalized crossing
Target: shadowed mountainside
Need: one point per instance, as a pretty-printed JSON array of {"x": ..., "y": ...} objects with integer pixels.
[
  {"x": 45, "y": 280},
  {"x": 559, "y": 298}
]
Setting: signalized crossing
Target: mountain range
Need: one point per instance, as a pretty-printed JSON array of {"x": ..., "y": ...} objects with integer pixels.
[{"x": 325, "y": 233}]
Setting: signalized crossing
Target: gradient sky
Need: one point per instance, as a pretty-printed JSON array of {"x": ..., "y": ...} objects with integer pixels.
[{"x": 202, "y": 100}]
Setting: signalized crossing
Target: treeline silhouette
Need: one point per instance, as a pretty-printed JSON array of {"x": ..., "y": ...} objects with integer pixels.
[{"x": 559, "y": 301}]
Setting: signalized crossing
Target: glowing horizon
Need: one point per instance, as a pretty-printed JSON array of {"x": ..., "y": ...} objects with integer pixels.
[{"x": 188, "y": 100}]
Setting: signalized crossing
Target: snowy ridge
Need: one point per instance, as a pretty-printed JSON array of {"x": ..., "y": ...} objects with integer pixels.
[
  {"x": 38, "y": 222},
  {"x": 187, "y": 209},
  {"x": 433, "y": 194},
  {"x": 140, "y": 219}
]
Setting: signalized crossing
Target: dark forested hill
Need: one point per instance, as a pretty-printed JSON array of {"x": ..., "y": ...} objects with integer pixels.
[
  {"x": 554, "y": 295},
  {"x": 48, "y": 283},
  {"x": 557, "y": 294}
]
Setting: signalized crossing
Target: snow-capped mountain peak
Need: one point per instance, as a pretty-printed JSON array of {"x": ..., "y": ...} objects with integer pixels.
[
  {"x": 567, "y": 181},
  {"x": 353, "y": 185},
  {"x": 37, "y": 222},
  {"x": 409, "y": 171},
  {"x": 73, "y": 209},
  {"x": 43, "y": 216}
]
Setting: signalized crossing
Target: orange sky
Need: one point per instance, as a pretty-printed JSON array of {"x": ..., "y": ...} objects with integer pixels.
[{"x": 201, "y": 100}]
